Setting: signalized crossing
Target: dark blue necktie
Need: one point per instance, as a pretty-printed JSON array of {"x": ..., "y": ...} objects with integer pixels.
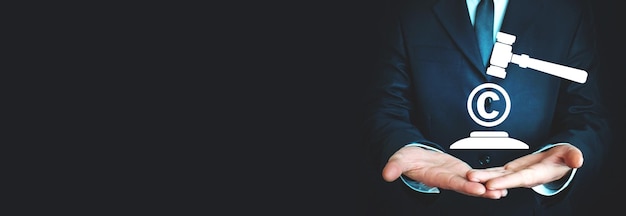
[{"x": 483, "y": 26}]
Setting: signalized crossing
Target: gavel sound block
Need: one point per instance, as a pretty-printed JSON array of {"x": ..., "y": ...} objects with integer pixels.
[{"x": 502, "y": 55}]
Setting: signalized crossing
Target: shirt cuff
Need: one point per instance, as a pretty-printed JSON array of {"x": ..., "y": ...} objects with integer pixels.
[
  {"x": 418, "y": 186},
  {"x": 555, "y": 187}
]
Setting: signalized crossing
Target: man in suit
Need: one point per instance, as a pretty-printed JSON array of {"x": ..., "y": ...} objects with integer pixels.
[{"x": 418, "y": 107}]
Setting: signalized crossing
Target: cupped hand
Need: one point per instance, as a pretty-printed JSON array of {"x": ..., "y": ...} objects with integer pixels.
[
  {"x": 530, "y": 170},
  {"x": 436, "y": 169}
]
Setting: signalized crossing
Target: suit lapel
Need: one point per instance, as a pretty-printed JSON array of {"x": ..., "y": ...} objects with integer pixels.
[
  {"x": 455, "y": 20},
  {"x": 519, "y": 16}
]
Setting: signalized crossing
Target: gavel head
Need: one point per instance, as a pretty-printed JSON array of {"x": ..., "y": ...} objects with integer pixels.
[{"x": 501, "y": 55}]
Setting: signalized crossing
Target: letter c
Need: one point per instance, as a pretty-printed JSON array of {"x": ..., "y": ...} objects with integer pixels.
[{"x": 481, "y": 105}]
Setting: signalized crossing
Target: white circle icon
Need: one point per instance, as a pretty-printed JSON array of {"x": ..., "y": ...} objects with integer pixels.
[{"x": 480, "y": 104}]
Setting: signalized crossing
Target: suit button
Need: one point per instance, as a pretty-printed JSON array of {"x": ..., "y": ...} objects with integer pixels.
[{"x": 484, "y": 160}]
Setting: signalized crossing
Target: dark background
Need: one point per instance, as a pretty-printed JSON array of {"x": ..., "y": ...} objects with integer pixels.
[{"x": 238, "y": 107}]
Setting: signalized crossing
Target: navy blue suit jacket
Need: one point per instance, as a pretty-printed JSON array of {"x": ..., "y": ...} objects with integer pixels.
[{"x": 431, "y": 63}]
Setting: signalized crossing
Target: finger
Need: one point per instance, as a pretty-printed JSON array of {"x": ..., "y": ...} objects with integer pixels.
[
  {"x": 495, "y": 194},
  {"x": 391, "y": 171},
  {"x": 574, "y": 158},
  {"x": 522, "y": 178},
  {"x": 460, "y": 184},
  {"x": 523, "y": 162},
  {"x": 482, "y": 175}
]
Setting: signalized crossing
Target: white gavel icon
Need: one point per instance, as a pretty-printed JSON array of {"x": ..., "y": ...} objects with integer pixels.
[{"x": 501, "y": 56}]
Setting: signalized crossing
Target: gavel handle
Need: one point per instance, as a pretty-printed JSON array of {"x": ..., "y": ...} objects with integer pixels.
[{"x": 562, "y": 71}]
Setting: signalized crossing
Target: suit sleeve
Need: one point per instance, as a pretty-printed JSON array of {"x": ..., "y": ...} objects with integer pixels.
[{"x": 580, "y": 118}]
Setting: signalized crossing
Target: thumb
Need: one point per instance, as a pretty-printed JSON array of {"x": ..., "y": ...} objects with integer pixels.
[
  {"x": 392, "y": 171},
  {"x": 574, "y": 158}
]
